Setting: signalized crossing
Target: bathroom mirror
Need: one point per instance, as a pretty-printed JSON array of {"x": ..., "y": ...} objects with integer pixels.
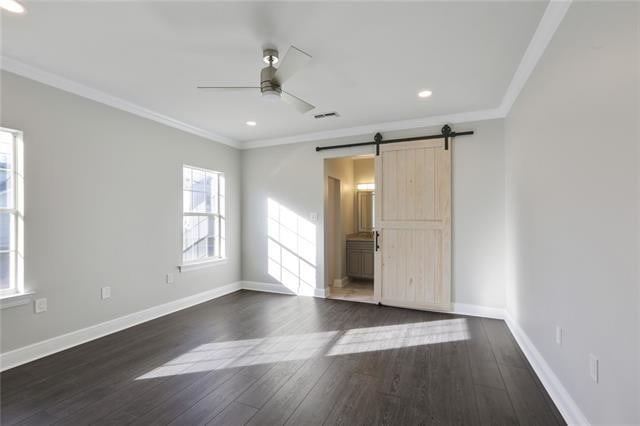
[{"x": 365, "y": 211}]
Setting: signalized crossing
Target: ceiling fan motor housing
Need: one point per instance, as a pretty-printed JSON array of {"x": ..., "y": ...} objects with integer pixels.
[
  {"x": 270, "y": 56},
  {"x": 268, "y": 87}
]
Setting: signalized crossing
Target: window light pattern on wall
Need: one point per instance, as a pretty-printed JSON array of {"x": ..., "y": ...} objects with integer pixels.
[{"x": 291, "y": 249}]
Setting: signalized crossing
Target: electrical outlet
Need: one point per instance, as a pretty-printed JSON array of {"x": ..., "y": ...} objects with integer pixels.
[
  {"x": 169, "y": 278},
  {"x": 313, "y": 217},
  {"x": 558, "y": 335},
  {"x": 40, "y": 305},
  {"x": 106, "y": 292},
  {"x": 594, "y": 368}
]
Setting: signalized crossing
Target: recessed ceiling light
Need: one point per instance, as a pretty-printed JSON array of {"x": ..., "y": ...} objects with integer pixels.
[
  {"x": 11, "y": 6},
  {"x": 251, "y": 123},
  {"x": 424, "y": 93}
]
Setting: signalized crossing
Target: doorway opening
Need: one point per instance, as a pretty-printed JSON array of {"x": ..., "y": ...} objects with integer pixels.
[{"x": 349, "y": 228}]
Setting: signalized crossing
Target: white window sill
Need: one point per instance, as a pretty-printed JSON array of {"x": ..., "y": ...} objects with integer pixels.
[
  {"x": 16, "y": 299},
  {"x": 200, "y": 265}
]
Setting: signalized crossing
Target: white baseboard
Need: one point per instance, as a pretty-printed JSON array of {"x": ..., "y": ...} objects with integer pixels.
[
  {"x": 478, "y": 311},
  {"x": 321, "y": 292},
  {"x": 280, "y": 289},
  {"x": 558, "y": 393},
  {"x": 59, "y": 343},
  {"x": 567, "y": 406},
  {"x": 266, "y": 287},
  {"x": 341, "y": 282}
]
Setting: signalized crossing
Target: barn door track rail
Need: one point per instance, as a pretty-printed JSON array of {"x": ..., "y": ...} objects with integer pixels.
[{"x": 446, "y": 133}]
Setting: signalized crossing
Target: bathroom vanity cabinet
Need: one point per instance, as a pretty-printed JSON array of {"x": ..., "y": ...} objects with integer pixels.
[{"x": 360, "y": 257}]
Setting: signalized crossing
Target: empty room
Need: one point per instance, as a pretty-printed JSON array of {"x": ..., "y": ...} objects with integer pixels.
[{"x": 319, "y": 212}]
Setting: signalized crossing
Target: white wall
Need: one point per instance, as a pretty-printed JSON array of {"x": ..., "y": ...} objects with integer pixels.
[
  {"x": 103, "y": 207},
  {"x": 572, "y": 200},
  {"x": 293, "y": 175}
]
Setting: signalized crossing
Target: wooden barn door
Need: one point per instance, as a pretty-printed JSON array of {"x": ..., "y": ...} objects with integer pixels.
[{"x": 413, "y": 221}]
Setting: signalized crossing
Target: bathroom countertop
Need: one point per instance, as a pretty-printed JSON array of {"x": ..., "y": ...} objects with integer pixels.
[{"x": 360, "y": 236}]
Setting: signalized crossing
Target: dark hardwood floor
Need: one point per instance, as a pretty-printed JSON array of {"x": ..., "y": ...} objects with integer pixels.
[{"x": 258, "y": 358}]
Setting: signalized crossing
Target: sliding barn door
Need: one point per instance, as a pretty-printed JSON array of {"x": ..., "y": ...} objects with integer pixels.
[{"x": 413, "y": 219}]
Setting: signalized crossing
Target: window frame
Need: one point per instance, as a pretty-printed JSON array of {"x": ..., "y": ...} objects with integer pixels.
[
  {"x": 16, "y": 212},
  {"x": 220, "y": 234}
]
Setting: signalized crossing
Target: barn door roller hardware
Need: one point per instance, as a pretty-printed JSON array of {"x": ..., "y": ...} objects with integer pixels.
[{"x": 445, "y": 133}]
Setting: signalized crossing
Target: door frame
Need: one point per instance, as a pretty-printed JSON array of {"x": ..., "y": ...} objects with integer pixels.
[
  {"x": 332, "y": 207},
  {"x": 347, "y": 153},
  {"x": 377, "y": 253}
]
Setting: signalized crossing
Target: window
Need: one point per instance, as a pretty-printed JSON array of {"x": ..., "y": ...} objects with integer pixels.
[
  {"x": 11, "y": 213},
  {"x": 203, "y": 221}
]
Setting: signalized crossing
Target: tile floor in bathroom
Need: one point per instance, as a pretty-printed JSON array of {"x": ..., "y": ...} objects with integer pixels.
[{"x": 355, "y": 291}]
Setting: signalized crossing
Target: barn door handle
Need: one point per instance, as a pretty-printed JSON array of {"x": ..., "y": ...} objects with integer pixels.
[{"x": 377, "y": 245}]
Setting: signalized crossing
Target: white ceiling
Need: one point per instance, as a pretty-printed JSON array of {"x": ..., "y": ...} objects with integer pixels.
[{"x": 369, "y": 58}]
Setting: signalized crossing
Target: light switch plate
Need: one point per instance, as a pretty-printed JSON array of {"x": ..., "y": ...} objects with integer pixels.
[
  {"x": 106, "y": 292},
  {"x": 169, "y": 278},
  {"x": 313, "y": 217},
  {"x": 558, "y": 335},
  {"x": 40, "y": 305}
]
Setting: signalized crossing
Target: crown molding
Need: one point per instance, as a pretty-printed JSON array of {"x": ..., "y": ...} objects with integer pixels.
[
  {"x": 25, "y": 70},
  {"x": 389, "y": 126},
  {"x": 549, "y": 23}
]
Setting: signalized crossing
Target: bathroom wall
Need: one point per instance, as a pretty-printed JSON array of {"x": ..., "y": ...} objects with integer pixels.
[
  {"x": 363, "y": 170},
  {"x": 343, "y": 170}
]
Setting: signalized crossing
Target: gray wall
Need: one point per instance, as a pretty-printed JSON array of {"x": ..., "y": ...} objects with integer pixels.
[
  {"x": 293, "y": 175},
  {"x": 103, "y": 207},
  {"x": 572, "y": 202}
]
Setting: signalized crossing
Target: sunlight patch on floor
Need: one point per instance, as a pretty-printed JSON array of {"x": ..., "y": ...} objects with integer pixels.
[
  {"x": 268, "y": 350},
  {"x": 242, "y": 353},
  {"x": 400, "y": 336}
]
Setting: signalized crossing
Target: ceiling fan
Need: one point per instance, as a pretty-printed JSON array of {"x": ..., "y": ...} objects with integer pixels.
[{"x": 272, "y": 78}]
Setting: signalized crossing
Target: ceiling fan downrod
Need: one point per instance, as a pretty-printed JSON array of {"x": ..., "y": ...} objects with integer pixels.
[{"x": 268, "y": 87}]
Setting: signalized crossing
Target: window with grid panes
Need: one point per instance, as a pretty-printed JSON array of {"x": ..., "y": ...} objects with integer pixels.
[{"x": 203, "y": 217}]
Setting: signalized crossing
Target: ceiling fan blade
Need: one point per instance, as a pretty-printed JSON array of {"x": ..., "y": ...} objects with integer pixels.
[
  {"x": 292, "y": 62},
  {"x": 228, "y": 87},
  {"x": 296, "y": 102}
]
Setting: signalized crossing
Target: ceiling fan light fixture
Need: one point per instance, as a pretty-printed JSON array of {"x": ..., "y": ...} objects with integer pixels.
[
  {"x": 12, "y": 6},
  {"x": 271, "y": 95},
  {"x": 424, "y": 93}
]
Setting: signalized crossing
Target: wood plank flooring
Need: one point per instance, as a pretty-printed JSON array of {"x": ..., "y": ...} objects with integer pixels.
[{"x": 268, "y": 359}]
